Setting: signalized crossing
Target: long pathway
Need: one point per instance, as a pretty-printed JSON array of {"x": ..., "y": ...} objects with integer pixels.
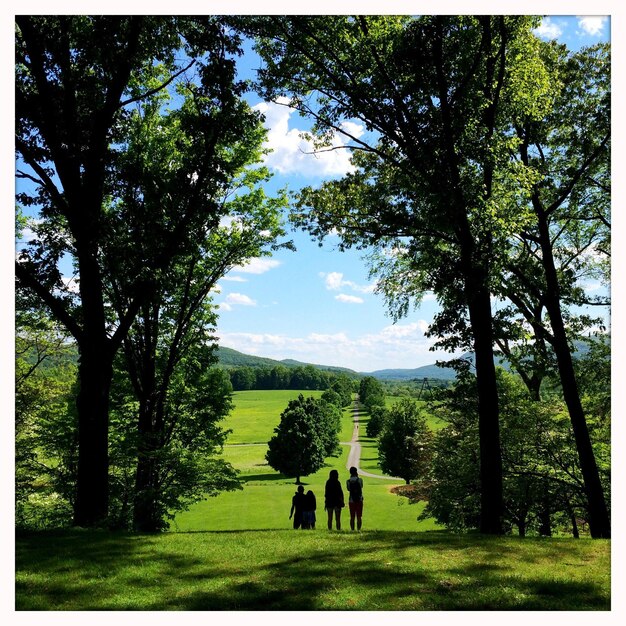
[{"x": 355, "y": 447}]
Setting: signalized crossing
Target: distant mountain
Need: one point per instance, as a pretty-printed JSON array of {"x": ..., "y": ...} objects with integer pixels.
[
  {"x": 326, "y": 368},
  {"x": 419, "y": 373},
  {"x": 232, "y": 358},
  {"x": 429, "y": 371}
]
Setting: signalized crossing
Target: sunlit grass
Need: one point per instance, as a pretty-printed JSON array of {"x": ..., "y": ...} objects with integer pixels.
[
  {"x": 265, "y": 500},
  {"x": 309, "y": 570},
  {"x": 251, "y": 559},
  {"x": 257, "y": 413}
]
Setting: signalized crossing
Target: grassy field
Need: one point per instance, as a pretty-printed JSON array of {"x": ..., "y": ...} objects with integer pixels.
[
  {"x": 309, "y": 570},
  {"x": 237, "y": 551},
  {"x": 265, "y": 501}
]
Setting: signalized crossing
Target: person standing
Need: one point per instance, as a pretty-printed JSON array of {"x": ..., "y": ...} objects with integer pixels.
[
  {"x": 354, "y": 484},
  {"x": 333, "y": 499},
  {"x": 297, "y": 506},
  {"x": 308, "y": 513}
]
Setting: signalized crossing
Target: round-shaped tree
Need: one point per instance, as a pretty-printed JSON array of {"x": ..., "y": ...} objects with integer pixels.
[
  {"x": 404, "y": 446},
  {"x": 298, "y": 447}
]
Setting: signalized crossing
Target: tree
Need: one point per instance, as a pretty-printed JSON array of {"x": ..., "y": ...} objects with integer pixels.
[
  {"x": 435, "y": 95},
  {"x": 344, "y": 386},
  {"x": 160, "y": 471},
  {"x": 243, "y": 378},
  {"x": 45, "y": 456},
  {"x": 77, "y": 80},
  {"x": 329, "y": 419},
  {"x": 371, "y": 393},
  {"x": 332, "y": 397},
  {"x": 567, "y": 152},
  {"x": 542, "y": 480},
  {"x": 298, "y": 447},
  {"x": 404, "y": 445},
  {"x": 179, "y": 317},
  {"x": 376, "y": 422}
]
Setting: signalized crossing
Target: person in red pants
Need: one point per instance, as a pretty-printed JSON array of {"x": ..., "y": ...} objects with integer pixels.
[{"x": 354, "y": 484}]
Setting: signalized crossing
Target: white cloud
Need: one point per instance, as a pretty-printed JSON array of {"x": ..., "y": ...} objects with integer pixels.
[
  {"x": 239, "y": 298},
  {"x": 235, "y": 279},
  {"x": 342, "y": 297},
  {"x": 292, "y": 154},
  {"x": 257, "y": 266},
  {"x": 548, "y": 29},
  {"x": 329, "y": 339},
  {"x": 334, "y": 281},
  {"x": 398, "y": 331},
  {"x": 399, "y": 345},
  {"x": 592, "y": 286},
  {"x": 592, "y": 24}
]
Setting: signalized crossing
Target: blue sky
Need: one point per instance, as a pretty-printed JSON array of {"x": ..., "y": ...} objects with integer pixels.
[{"x": 317, "y": 304}]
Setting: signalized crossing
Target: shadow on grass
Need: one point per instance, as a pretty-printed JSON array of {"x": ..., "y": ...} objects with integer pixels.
[
  {"x": 265, "y": 570},
  {"x": 263, "y": 477}
]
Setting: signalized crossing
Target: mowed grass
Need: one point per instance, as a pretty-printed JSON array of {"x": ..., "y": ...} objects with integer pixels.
[
  {"x": 238, "y": 552},
  {"x": 308, "y": 570},
  {"x": 265, "y": 501},
  {"x": 257, "y": 413}
]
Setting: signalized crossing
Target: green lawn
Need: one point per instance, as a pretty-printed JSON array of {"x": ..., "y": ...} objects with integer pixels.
[
  {"x": 257, "y": 413},
  {"x": 265, "y": 500},
  {"x": 237, "y": 551},
  {"x": 308, "y": 570}
]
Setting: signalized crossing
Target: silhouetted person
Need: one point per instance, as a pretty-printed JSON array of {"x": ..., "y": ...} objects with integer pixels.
[
  {"x": 297, "y": 506},
  {"x": 354, "y": 484},
  {"x": 308, "y": 513},
  {"x": 333, "y": 499}
]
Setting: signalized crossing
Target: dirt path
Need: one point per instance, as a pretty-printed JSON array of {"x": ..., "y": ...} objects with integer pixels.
[{"x": 355, "y": 448}]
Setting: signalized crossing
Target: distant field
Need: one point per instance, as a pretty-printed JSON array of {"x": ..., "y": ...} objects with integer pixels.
[
  {"x": 257, "y": 413},
  {"x": 265, "y": 500}
]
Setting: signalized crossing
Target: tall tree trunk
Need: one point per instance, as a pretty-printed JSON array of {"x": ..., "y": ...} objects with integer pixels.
[
  {"x": 599, "y": 523},
  {"x": 92, "y": 484},
  {"x": 95, "y": 373},
  {"x": 491, "y": 499},
  {"x": 146, "y": 517}
]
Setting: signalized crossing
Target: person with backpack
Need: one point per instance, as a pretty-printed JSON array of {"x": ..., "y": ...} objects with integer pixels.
[
  {"x": 354, "y": 485},
  {"x": 297, "y": 506},
  {"x": 333, "y": 499},
  {"x": 308, "y": 512}
]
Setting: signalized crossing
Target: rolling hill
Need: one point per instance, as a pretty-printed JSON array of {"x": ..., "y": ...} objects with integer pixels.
[
  {"x": 229, "y": 358},
  {"x": 232, "y": 358}
]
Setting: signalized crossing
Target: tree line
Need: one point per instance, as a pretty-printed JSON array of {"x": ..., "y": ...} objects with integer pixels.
[
  {"x": 482, "y": 175},
  {"x": 281, "y": 377}
]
